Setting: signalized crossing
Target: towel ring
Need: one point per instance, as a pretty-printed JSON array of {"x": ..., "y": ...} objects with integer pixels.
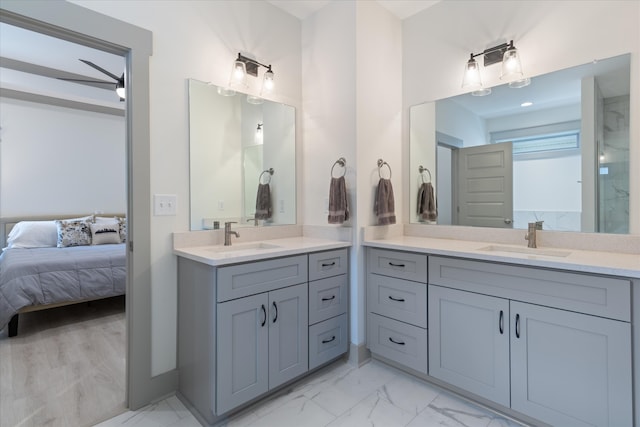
[
  {"x": 422, "y": 170},
  {"x": 380, "y": 164},
  {"x": 342, "y": 162},
  {"x": 270, "y": 172}
]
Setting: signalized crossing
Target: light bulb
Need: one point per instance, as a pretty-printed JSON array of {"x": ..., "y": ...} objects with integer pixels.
[
  {"x": 268, "y": 83},
  {"x": 471, "y": 79},
  {"x": 511, "y": 66}
]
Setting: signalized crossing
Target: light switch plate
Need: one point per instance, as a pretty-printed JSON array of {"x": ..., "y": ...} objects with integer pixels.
[{"x": 164, "y": 204}]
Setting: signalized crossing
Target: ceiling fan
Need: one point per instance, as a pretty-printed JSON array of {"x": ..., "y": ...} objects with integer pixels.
[{"x": 119, "y": 81}]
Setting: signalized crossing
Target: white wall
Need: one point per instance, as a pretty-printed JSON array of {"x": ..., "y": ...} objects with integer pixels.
[
  {"x": 351, "y": 109},
  {"x": 56, "y": 160},
  {"x": 550, "y": 36},
  {"x": 200, "y": 40}
]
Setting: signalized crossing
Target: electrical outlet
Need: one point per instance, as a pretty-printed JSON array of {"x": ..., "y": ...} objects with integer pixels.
[
  {"x": 220, "y": 205},
  {"x": 164, "y": 204},
  {"x": 281, "y": 206}
]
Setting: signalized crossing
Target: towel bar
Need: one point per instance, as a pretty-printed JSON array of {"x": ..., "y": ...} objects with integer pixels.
[
  {"x": 342, "y": 162},
  {"x": 270, "y": 172},
  {"x": 380, "y": 164}
]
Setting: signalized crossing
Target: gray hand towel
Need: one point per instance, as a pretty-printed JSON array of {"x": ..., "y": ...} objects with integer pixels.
[
  {"x": 338, "y": 206},
  {"x": 263, "y": 202},
  {"x": 384, "y": 205},
  {"x": 427, "y": 209}
]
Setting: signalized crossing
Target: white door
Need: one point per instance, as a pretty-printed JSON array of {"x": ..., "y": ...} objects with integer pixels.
[{"x": 485, "y": 185}]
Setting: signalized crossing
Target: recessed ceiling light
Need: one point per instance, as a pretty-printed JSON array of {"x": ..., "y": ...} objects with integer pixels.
[{"x": 526, "y": 104}]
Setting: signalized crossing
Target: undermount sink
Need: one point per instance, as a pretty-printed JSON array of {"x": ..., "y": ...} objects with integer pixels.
[
  {"x": 527, "y": 251},
  {"x": 240, "y": 247}
]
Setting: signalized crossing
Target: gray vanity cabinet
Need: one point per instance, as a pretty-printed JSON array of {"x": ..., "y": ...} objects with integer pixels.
[
  {"x": 469, "y": 342},
  {"x": 262, "y": 343},
  {"x": 491, "y": 334}
]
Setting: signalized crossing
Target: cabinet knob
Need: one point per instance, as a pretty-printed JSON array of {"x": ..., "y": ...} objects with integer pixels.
[
  {"x": 264, "y": 314},
  {"x": 517, "y": 326},
  {"x": 501, "y": 322},
  {"x": 333, "y": 337},
  {"x": 396, "y": 342},
  {"x": 276, "y": 316}
]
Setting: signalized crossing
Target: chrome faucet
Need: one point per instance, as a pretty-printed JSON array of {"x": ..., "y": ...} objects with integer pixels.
[
  {"x": 255, "y": 221},
  {"x": 228, "y": 233},
  {"x": 531, "y": 234}
]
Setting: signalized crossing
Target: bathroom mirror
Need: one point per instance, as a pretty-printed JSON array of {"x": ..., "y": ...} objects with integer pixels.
[
  {"x": 237, "y": 141},
  {"x": 555, "y": 151}
]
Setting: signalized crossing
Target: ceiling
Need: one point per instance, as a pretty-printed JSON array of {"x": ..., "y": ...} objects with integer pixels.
[{"x": 400, "y": 8}]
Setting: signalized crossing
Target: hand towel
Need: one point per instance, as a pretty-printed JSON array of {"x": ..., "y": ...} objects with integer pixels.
[
  {"x": 263, "y": 202},
  {"x": 427, "y": 209},
  {"x": 338, "y": 206},
  {"x": 384, "y": 203}
]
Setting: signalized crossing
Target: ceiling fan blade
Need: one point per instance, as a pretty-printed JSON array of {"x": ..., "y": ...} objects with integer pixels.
[
  {"x": 87, "y": 81},
  {"x": 102, "y": 70}
]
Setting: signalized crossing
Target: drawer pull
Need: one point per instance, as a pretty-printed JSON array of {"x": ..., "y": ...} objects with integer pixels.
[
  {"x": 396, "y": 342},
  {"x": 329, "y": 299},
  {"x": 333, "y": 338},
  {"x": 396, "y": 265},
  {"x": 517, "y": 326},
  {"x": 264, "y": 314},
  {"x": 276, "y": 316},
  {"x": 396, "y": 299},
  {"x": 501, "y": 323},
  {"x": 329, "y": 264}
]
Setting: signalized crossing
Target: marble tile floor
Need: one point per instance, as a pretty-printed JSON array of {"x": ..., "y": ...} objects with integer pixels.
[{"x": 375, "y": 395}]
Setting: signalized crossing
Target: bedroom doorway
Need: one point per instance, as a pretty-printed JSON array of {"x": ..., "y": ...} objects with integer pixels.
[{"x": 83, "y": 26}]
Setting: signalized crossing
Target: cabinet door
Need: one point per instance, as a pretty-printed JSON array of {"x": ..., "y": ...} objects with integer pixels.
[
  {"x": 570, "y": 369},
  {"x": 288, "y": 334},
  {"x": 469, "y": 342},
  {"x": 242, "y": 345}
]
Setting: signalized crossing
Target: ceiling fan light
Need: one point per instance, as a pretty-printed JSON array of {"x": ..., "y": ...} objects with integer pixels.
[{"x": 120, "y": 89}]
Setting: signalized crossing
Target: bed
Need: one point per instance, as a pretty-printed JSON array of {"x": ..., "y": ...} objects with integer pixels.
[{"x": 36, "y": 273}]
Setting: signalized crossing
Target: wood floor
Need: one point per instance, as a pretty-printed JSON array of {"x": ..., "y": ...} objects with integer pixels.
[{"x": 66, "y": 367}]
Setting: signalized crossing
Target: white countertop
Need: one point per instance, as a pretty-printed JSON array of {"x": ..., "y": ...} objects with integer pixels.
[
  {"x": 609, "y": 263},
  {"x": 218, "y": 255}
]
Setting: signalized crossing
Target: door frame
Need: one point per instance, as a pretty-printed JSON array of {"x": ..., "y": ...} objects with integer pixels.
[{"x": 83, "y": 26}]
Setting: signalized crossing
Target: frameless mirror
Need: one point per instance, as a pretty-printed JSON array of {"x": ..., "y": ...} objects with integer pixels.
[
  {"x": 556, "y": 151},
  {"x": 236, "y": 143}
]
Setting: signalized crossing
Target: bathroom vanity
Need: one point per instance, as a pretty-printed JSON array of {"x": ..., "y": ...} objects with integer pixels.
[
  {"x": 255, "y": 316},
  {"x": 544, "y": 336}
]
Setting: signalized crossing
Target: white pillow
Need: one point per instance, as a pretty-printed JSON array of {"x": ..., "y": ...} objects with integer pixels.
[
  {"x": 121, "y": 220},
  {"x": 33, "y": 234},
  {"x": 105, "y": 232}
]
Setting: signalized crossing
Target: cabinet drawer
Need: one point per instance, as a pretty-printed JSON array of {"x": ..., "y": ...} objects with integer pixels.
[
  {"x": 241, "y": 280},
  {"x": 327, "y": 298},
  {"x": 596, "y": 295},
  {"x": 403, "y": 265},
  {"x": 399, "y": 299},
  {"x": 327, "y": 340},
  {"x": 397, "y": 341},
  {"x": 327, "y": 264}
]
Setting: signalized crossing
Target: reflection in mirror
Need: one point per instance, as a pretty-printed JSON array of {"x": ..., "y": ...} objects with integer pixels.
[
  {"x": 555, "y": 151},
  {"x": 233, "y": 140}
]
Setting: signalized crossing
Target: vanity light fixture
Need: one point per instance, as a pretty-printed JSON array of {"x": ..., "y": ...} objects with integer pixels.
[
  {"x": 243, "y": 66},
  {"x": 511, "y": 68},
  {"x": 258, "y": 138},
  {"x": 120, "y": 90}
]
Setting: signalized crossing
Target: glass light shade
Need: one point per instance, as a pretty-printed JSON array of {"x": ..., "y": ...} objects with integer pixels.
[
  {"x": 255, "y": 100},
  {"x": 238, "y": 74},
  {"x": 267, "y": 82},
  {"x": 471, "y": 79},
  {"x": 481, "y": 92},
  {"x": 516, "y": 84},
  {"x": 511, "y": 66}
]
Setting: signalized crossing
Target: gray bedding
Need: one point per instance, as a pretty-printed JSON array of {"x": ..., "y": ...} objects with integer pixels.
[{"x": 54, "y": 275}]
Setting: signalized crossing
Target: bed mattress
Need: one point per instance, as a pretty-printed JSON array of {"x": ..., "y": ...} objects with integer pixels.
[{"x": 30, "y": 277}]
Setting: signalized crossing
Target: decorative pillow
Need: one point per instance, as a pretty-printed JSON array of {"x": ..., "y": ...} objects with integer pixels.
[
  {"x": 73, "y": 232},
  {"x": 105, "y": 232},
  {"x": 121, "y": 221},
  {"x": 33, "y": 234},
  {"x": 123, "y": 228}
]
